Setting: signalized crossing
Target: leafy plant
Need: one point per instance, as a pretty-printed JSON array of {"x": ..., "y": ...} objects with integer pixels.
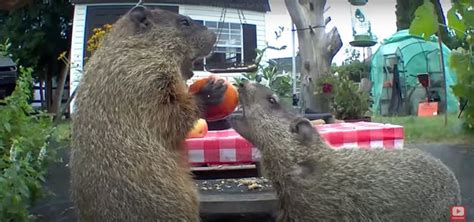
[
  {"x": 279, "y": 82},
  {"x": 24, "y": 150},
  {"x": 461, "y": 60},
  {"x": 38, "y": 33},
  {"x": 355, "y": 70},
  {"x": 352, "y": 55},
  {"x": 5, "y": 48},
  {"x": 344, "y": 98}
]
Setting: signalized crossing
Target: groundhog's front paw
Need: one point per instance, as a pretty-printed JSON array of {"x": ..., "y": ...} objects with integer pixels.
[{"x": 212, "y": 93}]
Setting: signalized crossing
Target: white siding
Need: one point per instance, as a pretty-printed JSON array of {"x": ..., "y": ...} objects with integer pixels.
[
  {"x": 77, "y": 47},
  {"x": 195, "y": 12}
]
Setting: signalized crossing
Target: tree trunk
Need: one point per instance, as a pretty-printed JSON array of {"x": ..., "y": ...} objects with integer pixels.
[
  {"x": 317, "y": 48},
  {"x": 58, "y": 95},
  {"x": 10, "y": 5},
  {"x": 49, "y": 88},
  {"x": 41, "y": 92},
  {"x": 405, "y": 12}
]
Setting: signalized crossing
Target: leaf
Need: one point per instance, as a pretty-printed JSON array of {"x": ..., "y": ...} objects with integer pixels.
[
  {"x": 468, "y": 17},
  {"x": 425, "y": 22},
  {"x": 7, "y": 126},
  {"x": 16, "y": 200},
  {"x": 455, "y": 23},
  {"x": 458, "y": 90}
]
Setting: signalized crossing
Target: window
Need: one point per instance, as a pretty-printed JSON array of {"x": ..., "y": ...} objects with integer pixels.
[
  {"x": 233, "y": 45},
  {"x": 228, "y": 49},
  {"x": 236, "y": 44}
]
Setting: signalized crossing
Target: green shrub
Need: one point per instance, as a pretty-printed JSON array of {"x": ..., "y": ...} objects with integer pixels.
[
  {"x": 355, "y": 70},
  {"x": 461, "y": 60},
  {"x": 24, "y": 151},
  {"x": 281, "y": 83},
  {"x": 343, "y": 95}
]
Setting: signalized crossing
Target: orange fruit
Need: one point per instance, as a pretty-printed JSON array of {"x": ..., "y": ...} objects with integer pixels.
[{"x": 228, "y": 104}]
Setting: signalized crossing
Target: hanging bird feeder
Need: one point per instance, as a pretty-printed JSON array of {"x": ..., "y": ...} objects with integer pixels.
[
  {"x": 358, "y": 2},
  {"x": 231, "y": 66},
  {"x": 361, "y": 31}
]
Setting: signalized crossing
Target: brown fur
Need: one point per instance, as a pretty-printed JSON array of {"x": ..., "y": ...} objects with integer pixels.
[
  {"x": 317, "y": 183},
  {"x": 132, "y": 114}
]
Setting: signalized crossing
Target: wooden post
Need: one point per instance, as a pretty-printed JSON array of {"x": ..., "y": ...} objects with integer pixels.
[
  {"x": 441, "y": 58},
  {"x": 293, "y": 57}
]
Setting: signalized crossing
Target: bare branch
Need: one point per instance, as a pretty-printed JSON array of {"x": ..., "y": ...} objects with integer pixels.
[
  {"x": 334, "y": 41},
  {"x": 326, "y": 9},
  {"x": 327, "y": 20}
]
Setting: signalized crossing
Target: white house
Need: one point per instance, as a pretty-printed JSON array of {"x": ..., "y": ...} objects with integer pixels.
[{"x": 242, "y": 31}]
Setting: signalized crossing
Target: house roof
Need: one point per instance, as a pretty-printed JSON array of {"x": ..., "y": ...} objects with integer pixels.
[{"x": 252, "y": 5}]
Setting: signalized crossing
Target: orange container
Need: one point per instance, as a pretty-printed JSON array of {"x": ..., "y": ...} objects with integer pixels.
[{"x": 428, "y": 109}]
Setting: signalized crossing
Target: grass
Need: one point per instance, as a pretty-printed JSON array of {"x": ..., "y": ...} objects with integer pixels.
[
  {"x": 430, "y": 129},
  {"x": 62, "y": 131}
]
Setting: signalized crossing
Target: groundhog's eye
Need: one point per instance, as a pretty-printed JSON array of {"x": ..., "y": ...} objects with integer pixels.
[
  {"x": 272, "y": 100},
  {"x": 185, "y": 22}
]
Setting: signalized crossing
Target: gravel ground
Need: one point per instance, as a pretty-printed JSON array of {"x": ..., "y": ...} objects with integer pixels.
[
  {"x": 253, "y": 184},
  {"x": 460, "y": 158}
]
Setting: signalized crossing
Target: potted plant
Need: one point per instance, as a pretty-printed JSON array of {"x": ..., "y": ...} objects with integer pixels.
[
  {"x": 325, "y": 89},
  {"x": 345, "y": 99}
]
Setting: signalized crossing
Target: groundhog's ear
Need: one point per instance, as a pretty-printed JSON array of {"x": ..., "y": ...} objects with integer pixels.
[
  {"x": 140, "y": 16},
  {"x": 303, "y": 128}
]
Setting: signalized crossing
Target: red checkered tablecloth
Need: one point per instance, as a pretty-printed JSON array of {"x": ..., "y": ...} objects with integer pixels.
[{"x": 228, "y": 147}]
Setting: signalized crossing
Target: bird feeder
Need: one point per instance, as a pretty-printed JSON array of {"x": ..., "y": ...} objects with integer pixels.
[
  {"x": 358, "y": 2},
  {"x": 424, "y": 79},
  {"x": 361, "y": 31}
]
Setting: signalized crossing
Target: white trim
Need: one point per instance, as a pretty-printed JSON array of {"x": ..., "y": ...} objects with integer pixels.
[{"x": 77, "y": 48}]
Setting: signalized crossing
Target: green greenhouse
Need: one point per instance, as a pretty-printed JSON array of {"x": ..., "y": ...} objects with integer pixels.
[{"x": 395, "y": 68}]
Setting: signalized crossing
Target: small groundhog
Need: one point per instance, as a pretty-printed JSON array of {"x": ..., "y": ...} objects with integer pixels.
[
  {"x": 132, "y": 114},
  {"x": 317, "y": 183}
]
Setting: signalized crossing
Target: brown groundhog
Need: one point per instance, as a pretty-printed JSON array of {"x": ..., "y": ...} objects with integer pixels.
[
  {"x": 132, "y": 114},
  {"x": 317, "y": 183}
]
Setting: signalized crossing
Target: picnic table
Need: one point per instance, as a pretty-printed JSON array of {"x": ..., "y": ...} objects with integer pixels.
[{"x": 228, "y": 147}]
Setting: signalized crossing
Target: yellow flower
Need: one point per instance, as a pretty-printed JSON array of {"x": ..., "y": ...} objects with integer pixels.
[{"x": 94, "y": 42}]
